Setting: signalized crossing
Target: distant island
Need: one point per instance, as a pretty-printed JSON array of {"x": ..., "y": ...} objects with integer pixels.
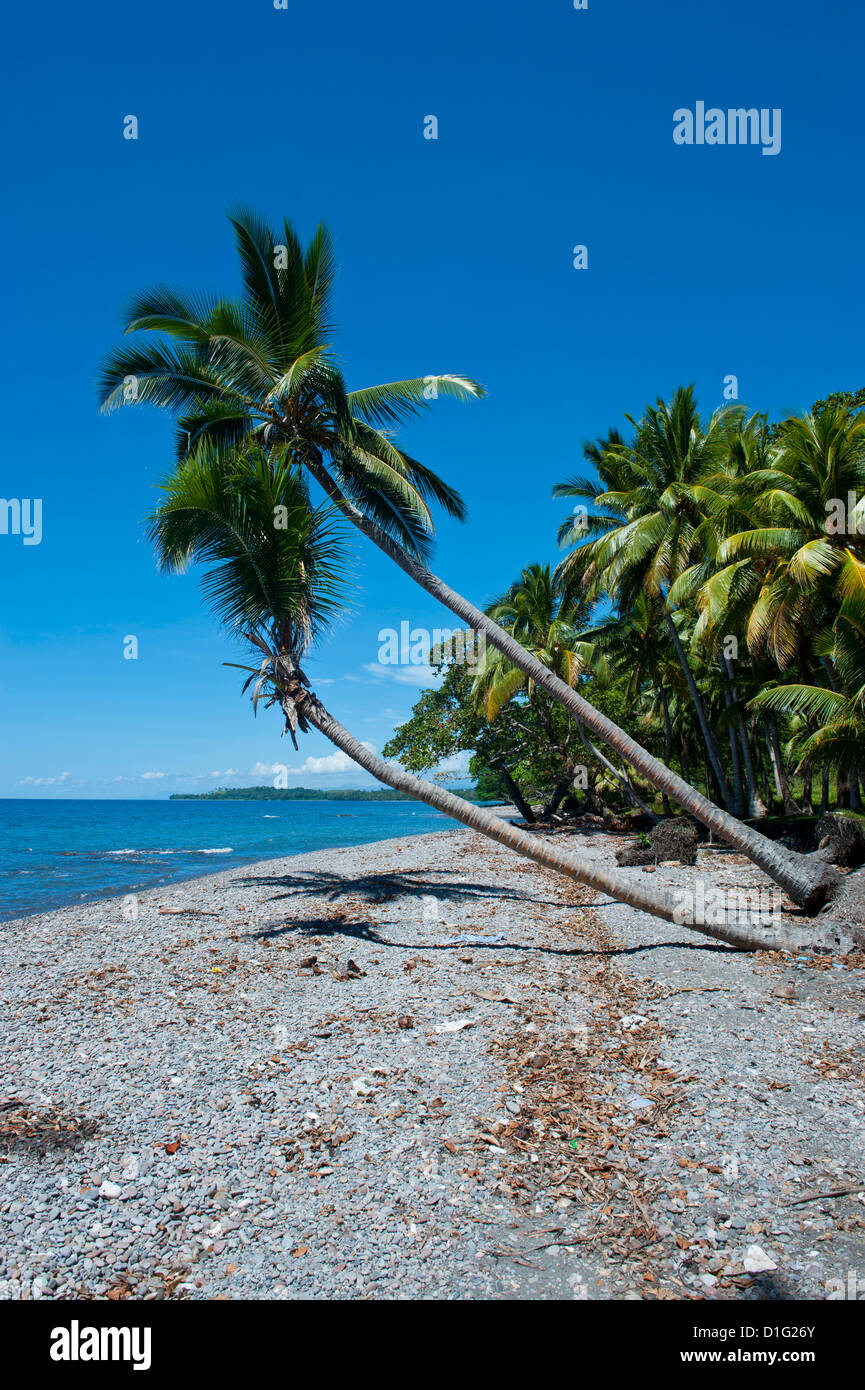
[{"x": 301, "y": 794}]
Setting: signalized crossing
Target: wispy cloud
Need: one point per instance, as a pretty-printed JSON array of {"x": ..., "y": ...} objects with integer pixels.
[
  {"x": 423, "y": 677},
  {"x": 328, "y": 764}
]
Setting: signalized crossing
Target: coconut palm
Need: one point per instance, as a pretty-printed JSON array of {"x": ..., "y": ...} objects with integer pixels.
[
  {"x": 785, "y": 576},
  {"x": 655, "y": 523},
  {"x": 533, "y": 610},
  {"x": 260, "y": 370},
  {"x": 279, "y": 587}
]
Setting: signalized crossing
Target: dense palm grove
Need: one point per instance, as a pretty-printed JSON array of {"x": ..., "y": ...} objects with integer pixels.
[{"x": 712, "y": 601}]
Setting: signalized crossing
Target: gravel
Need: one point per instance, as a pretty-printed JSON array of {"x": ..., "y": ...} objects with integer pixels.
[{"x": 305, "y": 1091}]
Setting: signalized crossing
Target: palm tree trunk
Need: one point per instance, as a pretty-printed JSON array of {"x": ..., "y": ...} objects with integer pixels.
[
  {"x": 712, "y": 749},
  {"x": 808, "y": 789},
  {"x": 668, "y": 743},
  {"x": 756, "y": 809},
  {"x": 808, "y": 883},
  {"x": 560, "y": 791},
  {"x": 517, "y": 797},
  {"x": 735, "y": 756},
  {"x": 782, "y": 786},
  {"x": 631, "y": 891},
  {"x": 824, "y": 792},
  {"x": 842, "y": 789},
  {"x": 620, "y": 777}
]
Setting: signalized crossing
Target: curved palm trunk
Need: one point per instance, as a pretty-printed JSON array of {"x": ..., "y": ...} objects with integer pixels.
[
  {"x": 807, "y": 882},
  {"x": 560, "y": 791},
  {"x": 637, "y": 895},
  {"x": 517, "y": 797}
]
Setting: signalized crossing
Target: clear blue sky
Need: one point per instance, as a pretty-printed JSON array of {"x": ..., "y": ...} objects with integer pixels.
[{"x": 555, "y": 128}]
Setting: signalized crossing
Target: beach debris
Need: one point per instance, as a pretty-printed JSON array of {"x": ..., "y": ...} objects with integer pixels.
[
  {"x": 110, "y": 1189},
  {"x": 352, "y": 972},
  {"x": 405, "y": 1021},
  {"x": 495, "y": 996},
  {"x": 362, "y": 1086},
  {"x": 310, "y": 963},
  {"x": 635, "y": 1101},
  {"x": 454, "y": 1025},
  {"x": 185, "y": 912},
  {"x": 756, "y": 1261},
  {"x": 475, "y": 939},
  {"x": 23, "y": 1129},
  {"x": 631, "y": 1021},
  {"x": 172, "y": 1147}
]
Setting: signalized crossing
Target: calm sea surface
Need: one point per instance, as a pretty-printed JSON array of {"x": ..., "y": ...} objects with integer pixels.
[{"x": 56, "y": 853}]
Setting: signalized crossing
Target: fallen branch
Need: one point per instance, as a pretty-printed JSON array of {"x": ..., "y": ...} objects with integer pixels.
[{"x": 819, "y": 1196}]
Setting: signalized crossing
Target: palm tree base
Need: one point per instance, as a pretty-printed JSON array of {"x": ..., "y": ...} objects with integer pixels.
[{"x": 844, "y": 916}]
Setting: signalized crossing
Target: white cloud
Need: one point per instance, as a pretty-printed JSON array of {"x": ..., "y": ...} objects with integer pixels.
[
  {"x": 331, "y": 762},
  {"x": 457, "y": 766},
  {"x": 43, "y": 781},
  {"x": 151, "y": 776},
  {"x": 328, "y": 764},
  {"x": 421, "y": 676}
]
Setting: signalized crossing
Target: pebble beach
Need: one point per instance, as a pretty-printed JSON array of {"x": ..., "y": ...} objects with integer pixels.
[{"x": 423, "y": 1069}]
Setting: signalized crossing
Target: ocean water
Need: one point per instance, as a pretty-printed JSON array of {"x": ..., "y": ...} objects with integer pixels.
[{"x": 57, "y": 853}]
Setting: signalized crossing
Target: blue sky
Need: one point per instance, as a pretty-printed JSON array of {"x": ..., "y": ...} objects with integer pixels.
[{"x": 555, "y": 129}]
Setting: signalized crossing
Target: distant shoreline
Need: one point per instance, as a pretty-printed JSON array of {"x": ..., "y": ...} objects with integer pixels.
[{"x": 307, "y": 794}]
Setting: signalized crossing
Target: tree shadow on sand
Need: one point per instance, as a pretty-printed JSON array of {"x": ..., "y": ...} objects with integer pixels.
[
  {"x": 339, "y": 926},
  {"x": 385, "y": 887}
]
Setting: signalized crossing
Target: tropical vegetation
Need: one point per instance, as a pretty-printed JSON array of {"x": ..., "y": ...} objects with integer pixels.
[{"x": 706, "y": 548}]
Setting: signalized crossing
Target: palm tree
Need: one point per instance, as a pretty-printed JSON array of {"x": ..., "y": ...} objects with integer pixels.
[
  {"x": 631, "y": 642},
  {"x": 654, "y": 502},
  {"x": 280, "y": 586},
  {"x": 834, "y": 735},
  {"x": 535, "y": 612},
  {"x": 787, "y": 573},
  {"x": 259, "y": 370}
]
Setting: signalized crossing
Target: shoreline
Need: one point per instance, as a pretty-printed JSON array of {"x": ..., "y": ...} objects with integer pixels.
[
  {"x": 179, "y": 882},
  {"x": 303, "y": 1083}
]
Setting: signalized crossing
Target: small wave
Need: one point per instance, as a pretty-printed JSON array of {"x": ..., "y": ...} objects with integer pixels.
[
  {"x": 270, "y": 818},
  {"x": 227, "y": 849}
]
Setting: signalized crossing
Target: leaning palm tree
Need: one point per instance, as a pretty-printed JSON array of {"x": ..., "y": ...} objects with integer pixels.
[
  {"x": 275, "y": 578},
  {"x": 260, "y": 370}
]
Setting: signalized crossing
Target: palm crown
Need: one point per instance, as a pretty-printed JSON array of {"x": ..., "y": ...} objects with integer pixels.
[
  {"x": 260, "y": 370},
  {"x": 275, "y": 565}
]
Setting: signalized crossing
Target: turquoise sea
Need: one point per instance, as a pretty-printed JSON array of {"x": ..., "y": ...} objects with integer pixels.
[{"x": 56, "y": 853}]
